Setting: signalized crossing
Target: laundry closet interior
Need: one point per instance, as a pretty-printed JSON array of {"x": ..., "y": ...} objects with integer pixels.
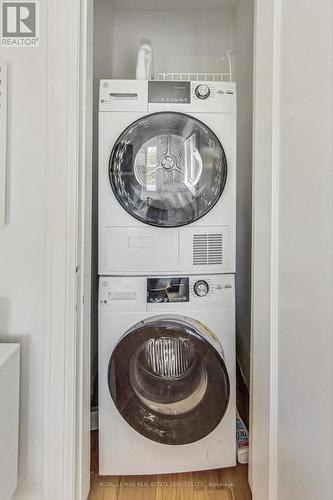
[{"x": 195, "y": 42}]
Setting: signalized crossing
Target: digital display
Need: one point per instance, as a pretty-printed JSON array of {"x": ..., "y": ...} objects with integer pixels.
[
  {"x": 167, "y": 290},
  {"x": 169, "y": 92}
]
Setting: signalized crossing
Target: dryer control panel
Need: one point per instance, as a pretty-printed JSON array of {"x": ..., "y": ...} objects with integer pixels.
[
  {"x": 169, "y": 92},
  {"x": 192, "y": 96},
  {"x": 165, "y": 95}
]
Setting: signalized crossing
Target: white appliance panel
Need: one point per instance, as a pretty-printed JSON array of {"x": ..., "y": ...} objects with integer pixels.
[
  {"x": 144, "y": 249},
  {"x": 116, "y": 254},
  {"x": 124, "y": 451}
]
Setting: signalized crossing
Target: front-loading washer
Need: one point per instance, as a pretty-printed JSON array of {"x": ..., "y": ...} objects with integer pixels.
[
  {"x": 167, "y": 177},
  {"x": 166, "y": 374}
]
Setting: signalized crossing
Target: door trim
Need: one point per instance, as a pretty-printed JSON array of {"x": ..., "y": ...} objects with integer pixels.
[
  {"x": 66, "y": 447},
  {"x": 265, "y": 251}
]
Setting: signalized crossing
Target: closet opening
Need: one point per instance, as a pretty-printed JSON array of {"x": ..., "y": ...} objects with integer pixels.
[{"x": 171, "y": 247}]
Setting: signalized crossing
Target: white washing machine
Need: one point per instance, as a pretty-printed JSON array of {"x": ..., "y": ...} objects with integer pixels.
[
  {"x": 166, "y": 374},
  {"x": 167, "y": 177}
]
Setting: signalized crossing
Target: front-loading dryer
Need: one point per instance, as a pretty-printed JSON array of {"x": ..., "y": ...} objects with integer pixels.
[
  {"x": 167, "y": 177},
  {"x": 166, "y": 374}
]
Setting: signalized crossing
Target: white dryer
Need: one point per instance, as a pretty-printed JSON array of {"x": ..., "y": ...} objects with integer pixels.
[
  {"x": 166, "y": 374},
  {"x": 167, "y": 177}
]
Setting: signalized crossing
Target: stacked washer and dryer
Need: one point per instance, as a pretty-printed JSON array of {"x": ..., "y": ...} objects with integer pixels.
[{"x": 167, "y": 225}]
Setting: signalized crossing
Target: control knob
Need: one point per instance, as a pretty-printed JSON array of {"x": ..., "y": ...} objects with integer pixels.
[
  {"x": 202, "y": 91},
  {"x": 201, "y": 288}
]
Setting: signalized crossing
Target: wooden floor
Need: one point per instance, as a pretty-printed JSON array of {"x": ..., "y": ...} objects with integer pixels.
[{"x": 222, "y": 484}]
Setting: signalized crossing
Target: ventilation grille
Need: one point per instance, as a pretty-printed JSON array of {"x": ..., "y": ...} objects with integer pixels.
[{"x": 207, "y": 249}]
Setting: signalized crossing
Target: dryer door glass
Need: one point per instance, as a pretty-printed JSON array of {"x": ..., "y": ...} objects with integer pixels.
[
  {"x": 168, "y": 169},
  {"x": 168, "y": 382}
]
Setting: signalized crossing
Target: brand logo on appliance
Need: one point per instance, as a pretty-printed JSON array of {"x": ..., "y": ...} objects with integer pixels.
[{"x": 19, "y": 23}]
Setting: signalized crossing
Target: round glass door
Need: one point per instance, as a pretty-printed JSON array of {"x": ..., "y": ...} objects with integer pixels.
[
  {"x": 168, "y": 169},
  {"x": 168, "y": 382}
]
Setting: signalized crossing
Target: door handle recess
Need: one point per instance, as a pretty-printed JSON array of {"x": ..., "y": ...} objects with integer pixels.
[{"x": 123, "y": 95}]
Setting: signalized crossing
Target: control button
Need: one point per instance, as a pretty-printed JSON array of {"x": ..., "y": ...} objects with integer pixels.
[
  {"x": 219, "y": 286},
  {"x": 201, "y": 288},
  {"x": 202, "y": 91}
]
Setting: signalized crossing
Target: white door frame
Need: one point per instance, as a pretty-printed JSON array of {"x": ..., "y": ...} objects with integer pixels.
[
  {"x": 66, "y": 469},
  {"x": 67, "y": 330},
  {"x": 265, "y": 206}
]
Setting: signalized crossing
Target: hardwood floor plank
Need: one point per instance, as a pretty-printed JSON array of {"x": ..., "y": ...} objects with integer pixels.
[{"x": 220, "y": 484}]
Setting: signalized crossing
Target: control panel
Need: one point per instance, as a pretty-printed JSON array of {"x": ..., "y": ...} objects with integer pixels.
[
  {"x": 212, "y": 91},
  {"x": 173, "y": 92},
  {"x": 166, "y": 92},
  {"x": 167, "y": 95},
  {"x": 189, "y": 289},
  {"x": 167, "y": 293},
  {"x": 168, "y": 290},
  {"x": 193, "y": 96}
]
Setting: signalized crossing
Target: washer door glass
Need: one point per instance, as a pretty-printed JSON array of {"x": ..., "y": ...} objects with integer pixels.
[
  {"x": 168, "y": 382},
  {"x": 168, "y": 169}
]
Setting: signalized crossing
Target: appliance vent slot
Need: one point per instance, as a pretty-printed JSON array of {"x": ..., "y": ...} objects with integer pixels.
[{"x": 207, "y": 249}]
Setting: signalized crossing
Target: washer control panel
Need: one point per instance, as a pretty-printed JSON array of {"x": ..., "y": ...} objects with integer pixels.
[
  {"x": 210, "y": 287},
  {"x": 187, "y": 289},
  {"x": 174, "y": 289},
  {"x": 190, "y": 293},
  {"x": 173, "y": 293}
]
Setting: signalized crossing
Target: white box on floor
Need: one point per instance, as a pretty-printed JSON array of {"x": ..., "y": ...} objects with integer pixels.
[{"x": 9, "y": 418}]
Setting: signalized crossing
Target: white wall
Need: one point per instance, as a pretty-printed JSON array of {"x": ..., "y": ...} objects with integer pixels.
[
  {"x": 22, "y": 246},
  {"x": 305, "y": 370},
  {"x": 183, "y": 40},
  {"x": 244, "y": 79}
]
